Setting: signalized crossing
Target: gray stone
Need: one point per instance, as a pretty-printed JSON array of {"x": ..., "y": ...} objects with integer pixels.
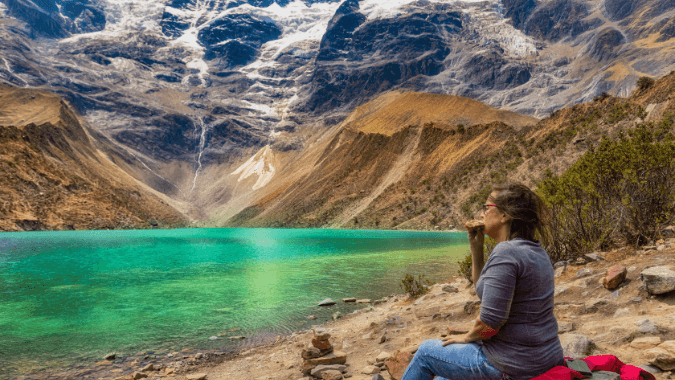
[
  {"x": 450, "y": 289},
  {"x": 593, "y": 257},
  {"x": 585, "y": 272},
  {"x": 658, "y": 280},
  {"x": 560, "y": 289},
  {"x": 213, "y": 337},
  {"x": 605, "y": 375},
  {"x": 316, "y": 372},
  {"x": 558, "y": 272},
  {"x": 651, "y": 369},
  {"x": 370, "y": 370},
  {"x": 661, "y": 248},
  {"x": 378, "y": 377},
  {"x": 560, "y": 264},
  {"x": 593, "y": 305},
  {"x": 615, "y": 294},
  {"x": 621, "y": 312},
  {"x": 327, "y": 302},
  {"x": 576, "y": 346},
  {"x": 565, "y": 327},
  {"x": 648, "y": 328},
  {"x": 636, "y": 300}
]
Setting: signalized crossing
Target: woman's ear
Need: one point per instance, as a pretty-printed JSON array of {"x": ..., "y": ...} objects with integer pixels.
[{"x": 505, "y": 219}]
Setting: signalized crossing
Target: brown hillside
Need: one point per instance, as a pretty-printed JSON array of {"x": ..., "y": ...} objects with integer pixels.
[
  {"x": 53, "y": 177},
  {"x": 395, "y": 110},
  {"x": 379, "y": 171}
]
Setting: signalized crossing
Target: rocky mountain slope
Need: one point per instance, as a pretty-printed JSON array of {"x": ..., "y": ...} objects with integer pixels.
[
  {"x": 55, "y": 173},
  {"x": 211, "y": 98},
  {"x": 406, "y": 161}
]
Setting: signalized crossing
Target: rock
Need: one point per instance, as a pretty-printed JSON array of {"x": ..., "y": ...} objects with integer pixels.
[
  {"x": 426, "y": 312},
  {"x": 367, "y": 336},
  {"x": 138, "y": 375},
  {"x": 576, "y": 346},
  {"x": 327, "y": 302},
  {"x": 148, "y": 368},
  {"x": 661, "y": 248},
  {"x": 636, "y": 300},
  {"x": 337, "y": 315},
  {"x": 363, "y": 301},
  {"x": 585, "y": 272},
  {"x": 470, "y": 306},
  {"x": 237, "y": 337},
  {"x": 560, "y": 289},
  {"x": 560, "y": 264},
  {"x": 565, "y": 327},
  {"x": 593, "y": 305},
  {"x": 198, "y": 355},
  {"x": 110, "y": 357},
  {"x": 378, "y": 377},
  {"x": 558, "y": 272},
  {"x": 621, "y": 312},
  {"x": 646, "y": 343},
  {"x": 648, "y": 328},
  {"x": 450, "y": 289},
  {"x": 380, "y": 301},
  {"x": 321, "y": 344},
  {"x": 590, "y": 257},
  {"x": 580, "y": 261},
  {"x": 397, "y": 364},
  {"x": 383, "y": 338},
  {"x": 615, "y": 276},
  {"x": 370, "y": 370},
  {"x": 348, "y": 300},
  {"x": 316, "y": 372},
  {"x": 310, "y": 353},
  {"x": 321, "y": 334},
  {"x": 382, "y": 357},
  {"x": 663, "y": 355},
  {"x": 127, "y": 377},
  {"x": 650, "y": 369},
  {"x": 312, "y": 317},
  {"x": 196, "y": 376},
  {"x": 606, "y": 375},
  {"x": 668, "y": 231},
  {"x": 658, "y": 280},
  {"x": 104, "y": 363},
  {"x": 335, "y": 357},
  {"x": 213, "y": 338},
  {"x": 331, "y": 374}
]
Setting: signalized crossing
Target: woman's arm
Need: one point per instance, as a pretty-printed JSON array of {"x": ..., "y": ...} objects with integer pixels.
[
  {"x": 476, "y": 238},
  {"x": 480, "y": 331}
]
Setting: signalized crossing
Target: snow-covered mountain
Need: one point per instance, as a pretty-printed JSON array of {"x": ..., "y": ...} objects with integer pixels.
[{"x": 207, "y": 99}]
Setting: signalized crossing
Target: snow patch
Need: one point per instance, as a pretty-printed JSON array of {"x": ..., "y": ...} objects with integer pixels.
[{"x": 261, "y": 165}]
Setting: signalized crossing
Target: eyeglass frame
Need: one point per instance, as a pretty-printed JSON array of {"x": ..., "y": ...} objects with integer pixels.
[{"x": 484, "y": 208}]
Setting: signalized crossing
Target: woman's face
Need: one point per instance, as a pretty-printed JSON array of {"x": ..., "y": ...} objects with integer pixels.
[{"x": 493, "y": 218}]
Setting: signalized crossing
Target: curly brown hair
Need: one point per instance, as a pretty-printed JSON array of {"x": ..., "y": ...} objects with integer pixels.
[{"x": 528, "y": 212}]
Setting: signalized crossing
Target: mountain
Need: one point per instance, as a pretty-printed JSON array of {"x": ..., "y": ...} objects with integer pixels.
[
  {"x": 56, "y": 174},
  {"x": 212, "y": 98},
  {"x": 397, "y": 164}
]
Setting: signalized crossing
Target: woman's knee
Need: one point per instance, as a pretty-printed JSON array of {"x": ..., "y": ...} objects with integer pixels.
[{"x": 428, "y": 346}]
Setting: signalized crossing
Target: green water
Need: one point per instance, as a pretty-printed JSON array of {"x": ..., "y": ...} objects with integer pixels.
[{"x": 71, "y": 297}]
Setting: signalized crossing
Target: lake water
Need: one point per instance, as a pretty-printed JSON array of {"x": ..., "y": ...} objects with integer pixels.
[{"x": 72, "y": 297}]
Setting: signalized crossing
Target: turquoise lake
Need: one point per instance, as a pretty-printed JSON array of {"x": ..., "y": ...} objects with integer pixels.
[{"x": 72, "y": 297}]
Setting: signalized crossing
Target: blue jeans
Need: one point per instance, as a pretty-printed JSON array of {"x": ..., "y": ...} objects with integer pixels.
[{"x": 454, "y": 361}]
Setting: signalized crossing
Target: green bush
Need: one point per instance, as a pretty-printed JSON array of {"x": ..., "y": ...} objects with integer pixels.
[
  {"x": 618, "y": 193},
  {"x": 644, "y": 83},
  {"x": 415, "y": 287},
  {"x": 465, "y": 265}
]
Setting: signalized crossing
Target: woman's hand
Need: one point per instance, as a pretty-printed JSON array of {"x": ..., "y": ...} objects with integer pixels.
[{"x": 450, "y": 339}]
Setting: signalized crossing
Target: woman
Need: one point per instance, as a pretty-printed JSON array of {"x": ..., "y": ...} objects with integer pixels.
[{"x": 516, "y": 333}]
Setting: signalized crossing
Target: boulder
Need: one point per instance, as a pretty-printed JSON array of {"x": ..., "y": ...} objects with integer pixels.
[
  {"x": 110, "y": 357},
  {"x": 370, "y": 370},
  {"x": 595, "y": 256},
  {"x": 331, "y": 374},
  {"x": 327, "y": 302},
  {"x": 565, "y": 327},
  {"x": 658, "y": 280},
  {"x": 335, "y": 357},
  {"x": 650, "y": 368},
  {"x": 645, "y": 343},
  {"x": 585, "y": 272},
  {"x": 450, "y": 289},
  {"x": 576, "y": 346},
  {"x": 318, "y": 370},
  {"x": 382, "y": 357},
  {"x": 615, "y": 276},
  {"x": 310, "y": 353},
  {"x": 237, "y": 337},
  {"x": 349, "y": 300},
  {"x": 648, "y": 328},
  {"x": 363, "y": 301},
  {"x": 663, "y": 355},
  {"x": 321, "y": 344},
  {"x": 397, "y": 364}
]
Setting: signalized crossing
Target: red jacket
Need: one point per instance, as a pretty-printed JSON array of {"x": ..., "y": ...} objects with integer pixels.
[{"x": 598, "y": 363}]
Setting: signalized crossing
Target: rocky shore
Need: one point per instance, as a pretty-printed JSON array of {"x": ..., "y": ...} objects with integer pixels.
[{"x": 620, "y": 303}]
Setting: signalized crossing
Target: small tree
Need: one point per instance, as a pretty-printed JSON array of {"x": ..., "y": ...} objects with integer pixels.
[
  {"x": 644, "y": 83},
  {"x": 415, "y": 287}
]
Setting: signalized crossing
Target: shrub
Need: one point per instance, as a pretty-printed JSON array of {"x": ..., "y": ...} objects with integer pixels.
[
  {"x": 465, "y": 265},
  {"x": 415, "y": 287},
  {"x": 620, "y": 192},
  {"x": 460, "y": 128},
  {"x": 644, "y": 83}
]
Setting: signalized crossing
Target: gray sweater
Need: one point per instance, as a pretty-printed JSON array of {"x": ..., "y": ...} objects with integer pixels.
[{"x": 516, "y": 290}]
